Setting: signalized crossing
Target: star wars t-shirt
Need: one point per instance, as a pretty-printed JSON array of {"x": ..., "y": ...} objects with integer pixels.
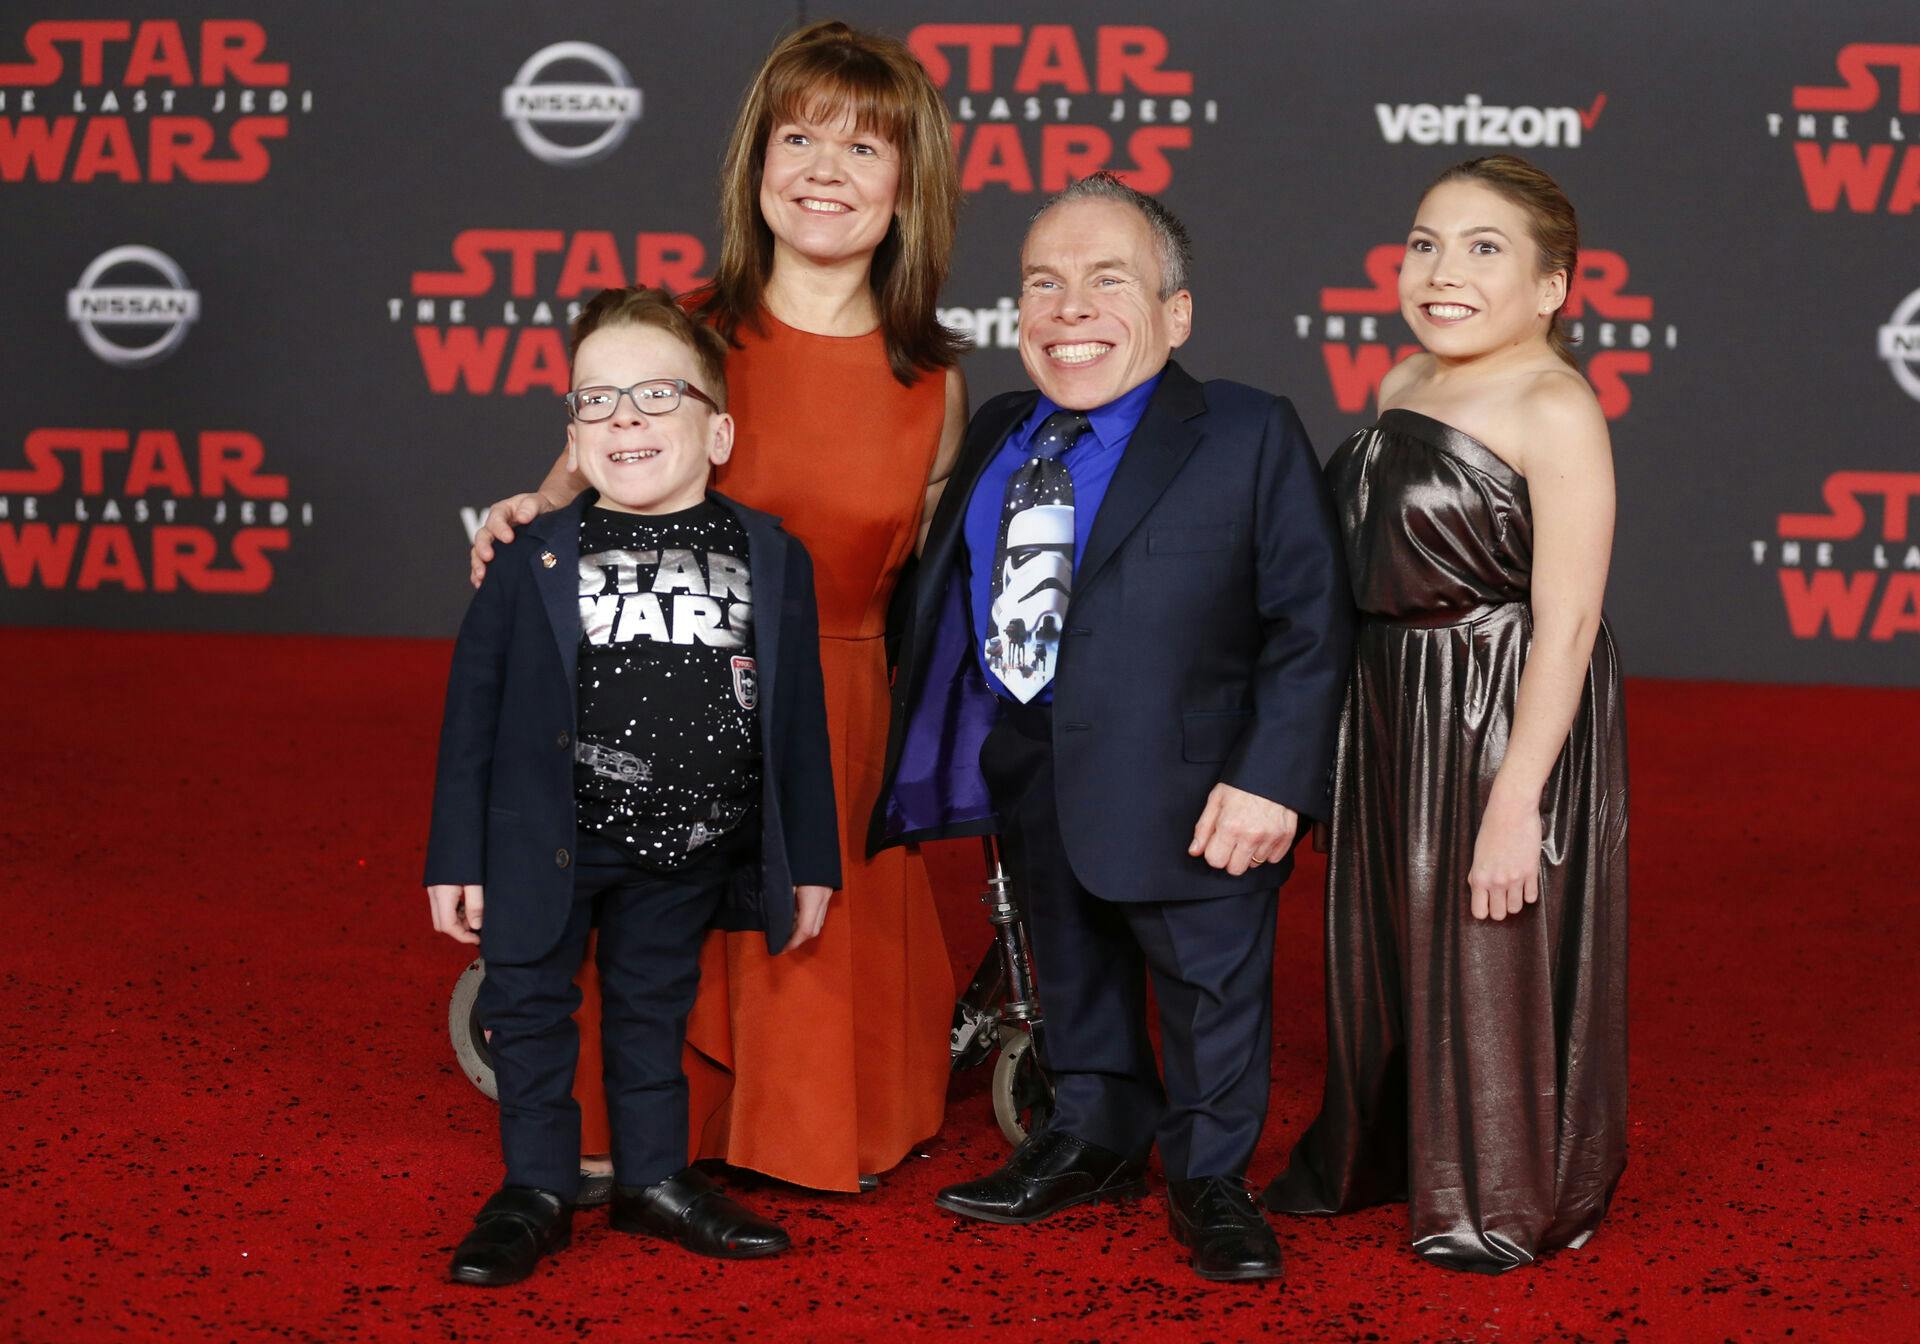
[{"x": 667, "y": 760}]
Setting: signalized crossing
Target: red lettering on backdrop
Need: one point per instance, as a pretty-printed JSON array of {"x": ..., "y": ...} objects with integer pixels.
[
  {"x": 590, "y": 263},
  {"x": 1356, "y": 371},
  {"x": 1826, "y": 597},
  {"x": 1382, "y": 268},
  {"x": 1860, "y": 90},
  {"x": 1607, "y": 374},
  {"x": 1052, "y": 58},
  {"x": 1134, "y": 56},
  {"x": 35, "y": 550},
  {"x": 1858, "y": 172},
  {"x": 460, "y": 359},
  {"x": 43, "y": 45},
  {"x": 539, "y": 361},
  {"x": 228, "y": 48},
  {"x": 1125, "y": 56},
  {"x": 227, "y": 458},
  {"x": 34, "y": 555},
  {"x": 1846, "y": 516},
  {"x": 979, "y": 41},
  {"x": 157, "y": 460},
  {"x": 995, "y": 155},
  {"x": 467, "y": 359},
  {"x": 109, "y": 557},
  {"x": 34, "y": 144},
  {"x": 106, "y": 149},
  {"x": 1899, "y": 608},
  {"x": 158, "y": 50},
  {"x": 233, "y": 457},
  {"x": 36, "y": 148}
]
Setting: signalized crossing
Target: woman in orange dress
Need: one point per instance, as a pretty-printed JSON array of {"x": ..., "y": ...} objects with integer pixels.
[{"x": 839, "y": 199}]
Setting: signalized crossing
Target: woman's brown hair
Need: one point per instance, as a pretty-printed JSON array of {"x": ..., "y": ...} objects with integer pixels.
[
  {"x": 824, "y": 71},
  {"x": 1550, "y": 220}
]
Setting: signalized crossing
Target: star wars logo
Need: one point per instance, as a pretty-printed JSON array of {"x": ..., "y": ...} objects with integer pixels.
[
  {"x": 1036, "y": 107},
  {"x": 152, "y": 101},
  {"x": 144, "y": 510},
  {"x": 1856, "y": 567},
  {"x": 496, "y": 322},
  {"x": 1361, "y": 335},
  {"x": 1850, "y": 139}
]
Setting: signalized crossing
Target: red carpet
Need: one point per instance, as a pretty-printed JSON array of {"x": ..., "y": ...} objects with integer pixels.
[{"x": 231, "y": 1110}]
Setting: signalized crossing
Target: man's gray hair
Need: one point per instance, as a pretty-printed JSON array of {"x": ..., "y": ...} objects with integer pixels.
[{"x": 1170, "y": 241}]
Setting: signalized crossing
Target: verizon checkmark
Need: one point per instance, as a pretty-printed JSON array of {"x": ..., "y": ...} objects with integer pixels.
[{"x": 1589, "y": 115}]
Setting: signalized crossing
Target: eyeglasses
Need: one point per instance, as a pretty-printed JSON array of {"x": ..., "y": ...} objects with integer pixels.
[{"x": 655, "y": 396}]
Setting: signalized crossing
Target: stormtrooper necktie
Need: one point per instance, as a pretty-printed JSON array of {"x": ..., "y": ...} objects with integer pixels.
[{"x": 1033, "y": 560}]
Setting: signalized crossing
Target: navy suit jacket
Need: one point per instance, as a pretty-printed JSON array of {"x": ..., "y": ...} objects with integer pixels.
[
  {"x": 503, "y": 802},
  {"x": 1207, "y": 640}
]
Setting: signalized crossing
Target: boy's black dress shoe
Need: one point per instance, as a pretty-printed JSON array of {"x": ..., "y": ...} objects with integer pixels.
[
  {"x": 691, "y": 1210},
  {"x": 1051, "y": 1171},
  {"x": 596, "y": 1188},
  {"x": 510, "y": 1234},
  {"x": 1215, "y": 1218}
]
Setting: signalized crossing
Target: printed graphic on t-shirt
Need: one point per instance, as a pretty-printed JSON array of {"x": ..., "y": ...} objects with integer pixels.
[
  {"x": 670, "y": 596},
  {"x": 746, "y": 683},
  {"x": 667, "y": 757}
]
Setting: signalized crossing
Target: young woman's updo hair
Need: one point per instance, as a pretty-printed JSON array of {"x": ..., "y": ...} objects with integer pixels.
[{"x": 1550, "y": 222}]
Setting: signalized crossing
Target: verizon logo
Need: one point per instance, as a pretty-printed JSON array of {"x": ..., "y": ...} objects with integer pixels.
[{"x": 1473, "y": 122}]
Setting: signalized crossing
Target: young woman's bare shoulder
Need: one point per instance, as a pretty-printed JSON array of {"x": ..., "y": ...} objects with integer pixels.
[
  {"x": 1406, "y": 374},
  {"x": 1561, "y": 418}
]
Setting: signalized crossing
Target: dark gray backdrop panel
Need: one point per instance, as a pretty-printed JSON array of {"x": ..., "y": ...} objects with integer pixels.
[{"x": 1762, "y": 379}]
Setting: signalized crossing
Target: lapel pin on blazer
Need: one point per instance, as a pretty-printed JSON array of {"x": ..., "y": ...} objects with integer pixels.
[{"x": 549, "y": 559}]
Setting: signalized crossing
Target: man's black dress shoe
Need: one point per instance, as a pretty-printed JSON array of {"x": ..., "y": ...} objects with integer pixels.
[
  {"x": 1051, "y": 1171},
  {"x": 1215, "y": 1218},
  {"x": 691, "y": 1210},
  {"x": 510, "y": 1234}
]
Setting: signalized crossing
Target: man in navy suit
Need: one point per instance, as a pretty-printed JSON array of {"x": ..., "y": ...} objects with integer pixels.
[{"x": 1149, "y": 780}]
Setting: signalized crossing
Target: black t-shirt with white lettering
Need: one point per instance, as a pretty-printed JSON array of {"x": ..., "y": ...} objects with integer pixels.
[{"x": 667, "y": 760}]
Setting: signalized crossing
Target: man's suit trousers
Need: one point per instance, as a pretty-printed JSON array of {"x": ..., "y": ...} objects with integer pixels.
[{"x": 1211, "y": 962}]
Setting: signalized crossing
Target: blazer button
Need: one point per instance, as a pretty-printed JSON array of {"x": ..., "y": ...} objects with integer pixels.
[
  {"x": 566, "y": 740},
  {"x": 561, "y": 858}
]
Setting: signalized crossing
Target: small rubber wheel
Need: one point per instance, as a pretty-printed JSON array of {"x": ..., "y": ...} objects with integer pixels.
[
  {"x": 469, "y": 1037},
  {"x": 1022, "y": 1101}
]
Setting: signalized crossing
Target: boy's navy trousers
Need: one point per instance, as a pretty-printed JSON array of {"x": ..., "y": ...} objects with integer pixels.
[{"x": 651, "y": 929}]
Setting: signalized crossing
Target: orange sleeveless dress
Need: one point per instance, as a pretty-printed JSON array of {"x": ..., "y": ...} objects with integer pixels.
[{"x": 831, "y": 1060}]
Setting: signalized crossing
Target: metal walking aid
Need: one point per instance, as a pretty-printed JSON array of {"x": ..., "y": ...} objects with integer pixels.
[
  {"x": 1000, "y": 1010},
  {"x": 998, "y": 1014}
]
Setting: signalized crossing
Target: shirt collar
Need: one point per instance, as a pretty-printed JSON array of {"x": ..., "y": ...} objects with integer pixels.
[{"x": 1113, "y": 422}]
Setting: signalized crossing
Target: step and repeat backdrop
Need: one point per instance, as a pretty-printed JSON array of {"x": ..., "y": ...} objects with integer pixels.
[{"x": 286, "y": 285}]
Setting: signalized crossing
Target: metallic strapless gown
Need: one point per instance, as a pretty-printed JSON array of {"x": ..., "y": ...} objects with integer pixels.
[{"x": 1477, "y": 1070}]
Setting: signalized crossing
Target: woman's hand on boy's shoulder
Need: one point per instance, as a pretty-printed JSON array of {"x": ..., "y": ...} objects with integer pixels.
[
  {"x": 456, "y": 909},
  {"x": 501, "y": 519}
]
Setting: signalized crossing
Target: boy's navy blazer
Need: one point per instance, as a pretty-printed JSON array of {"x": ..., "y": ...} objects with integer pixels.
[
  {"x": 1207, "y": 641},
  {"x": 503, "y": 802}
]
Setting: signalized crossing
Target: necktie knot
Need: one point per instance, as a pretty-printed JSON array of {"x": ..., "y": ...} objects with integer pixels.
[{"x": 1058, "y": 432}]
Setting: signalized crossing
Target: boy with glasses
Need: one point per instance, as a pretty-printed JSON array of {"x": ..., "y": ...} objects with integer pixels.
[{"x": 635, "y": 739}]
